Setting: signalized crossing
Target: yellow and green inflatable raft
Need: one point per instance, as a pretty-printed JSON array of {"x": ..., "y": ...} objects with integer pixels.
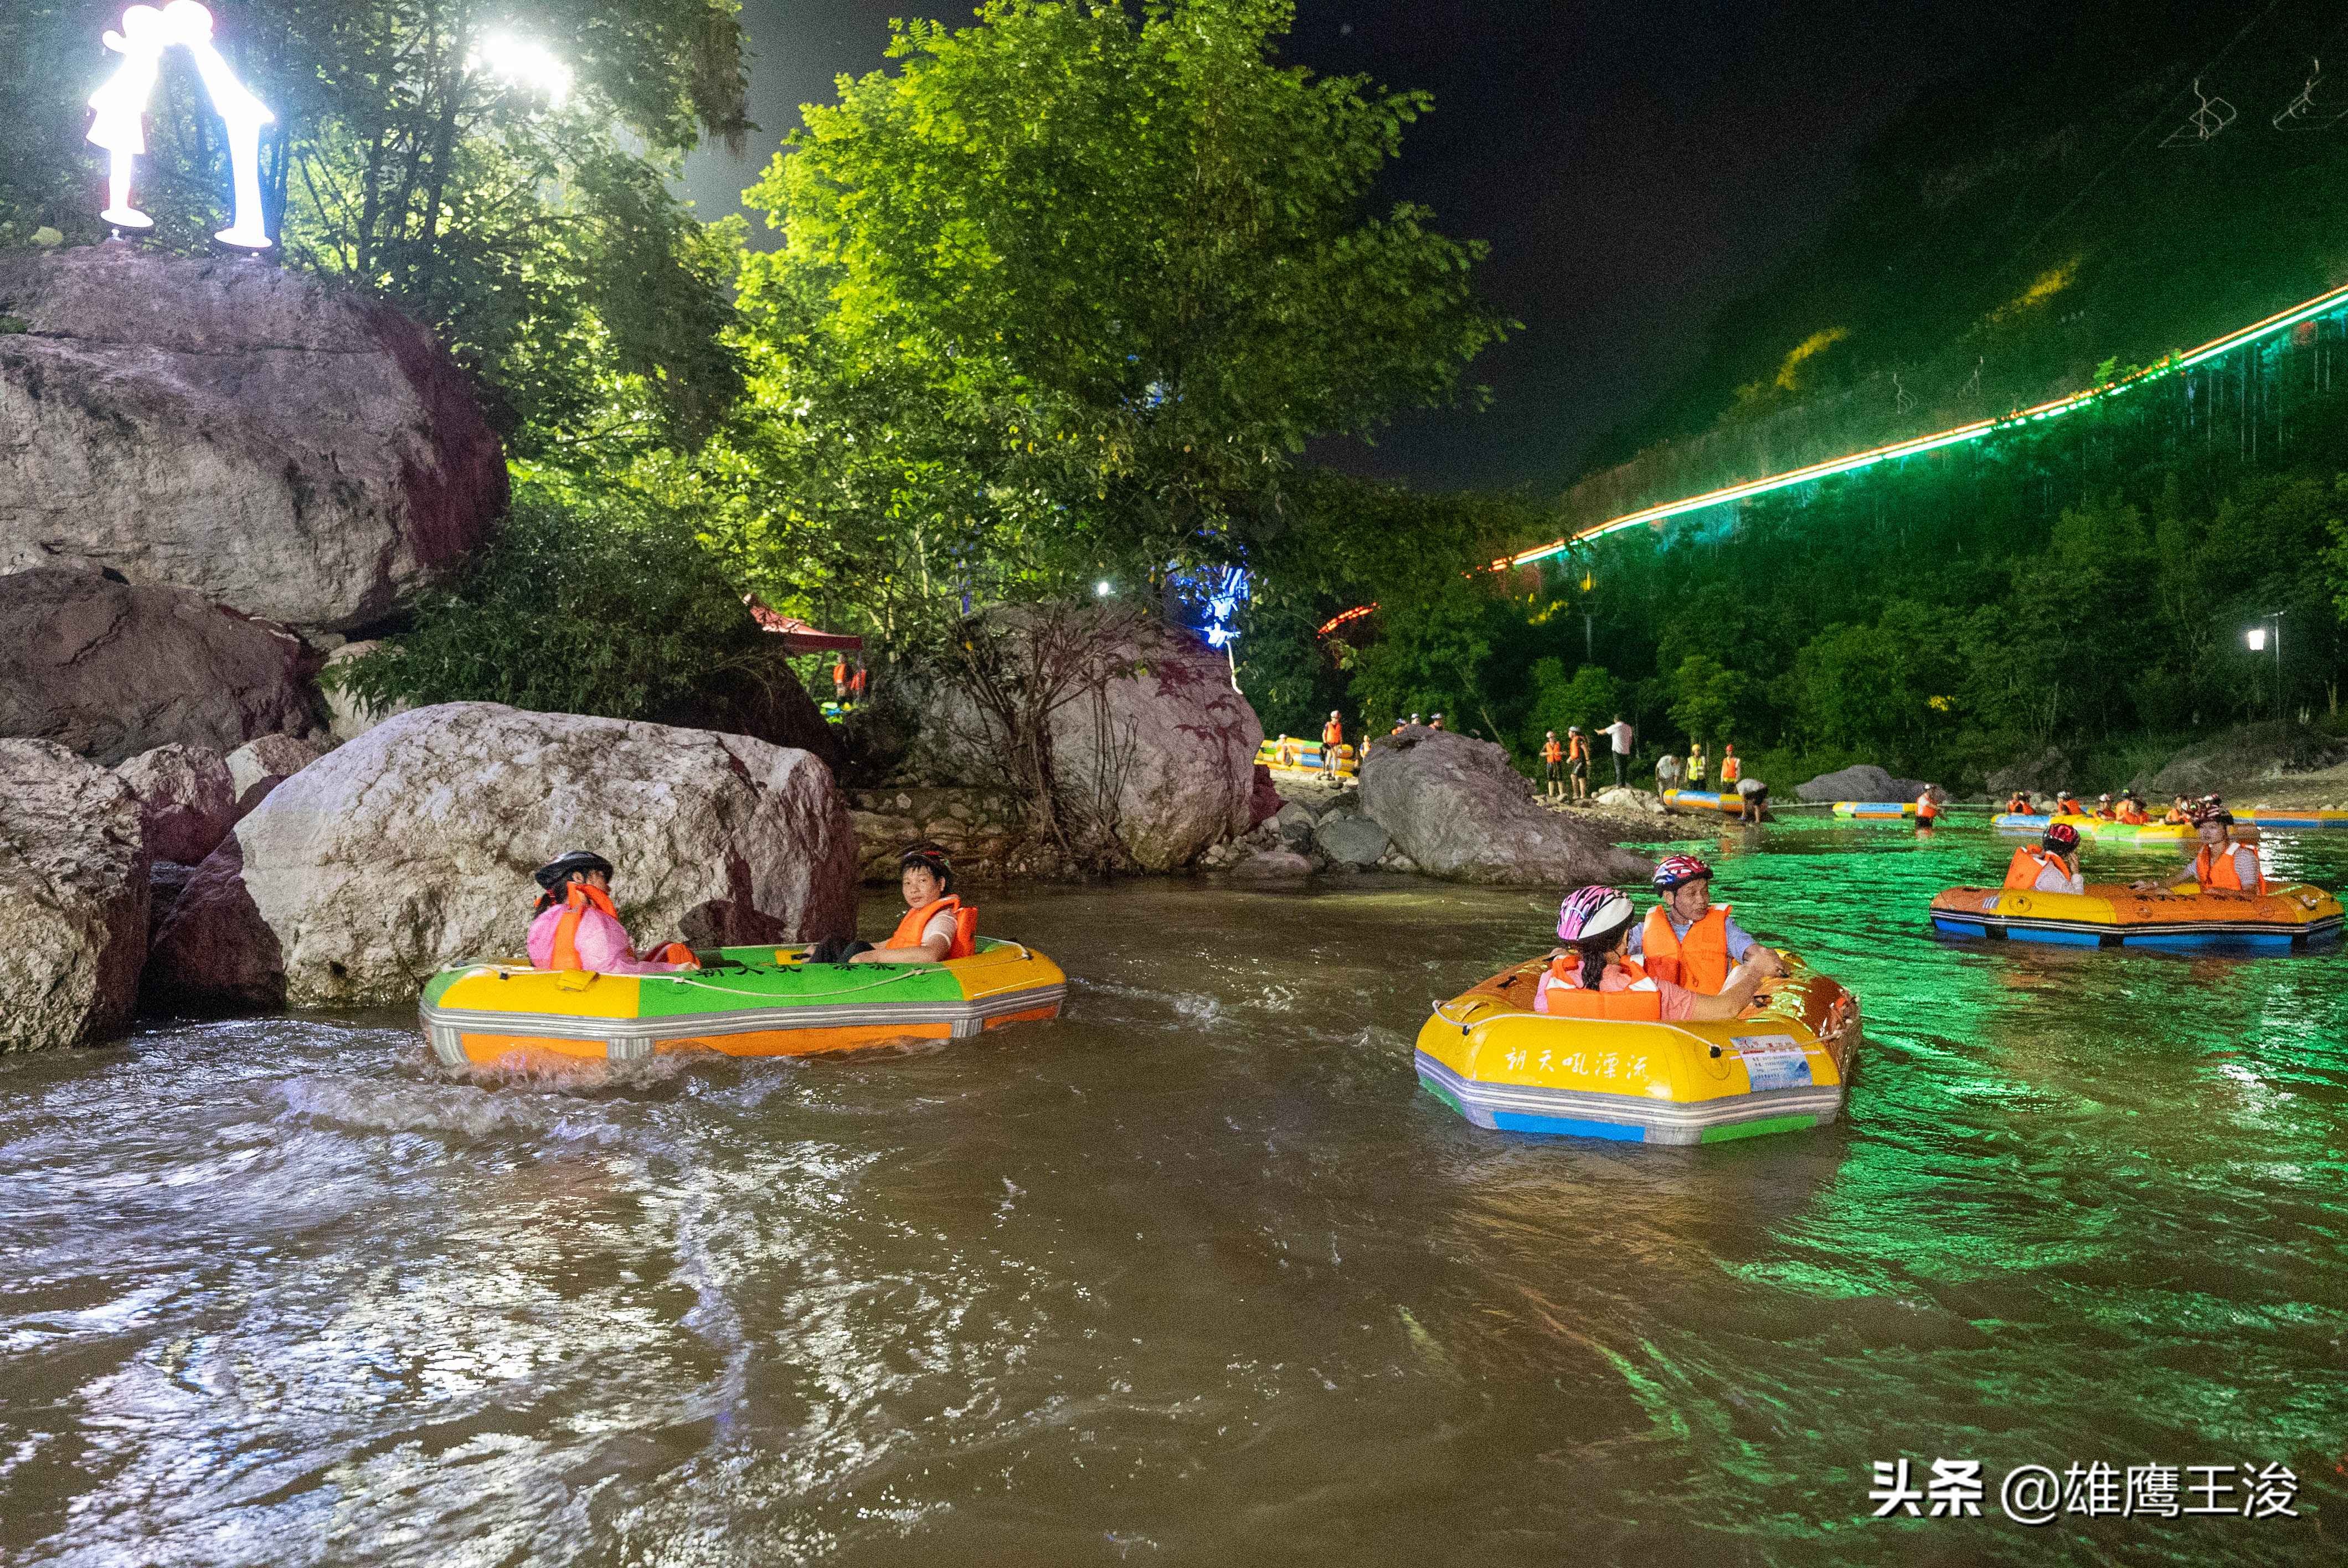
[
  {"x": 1780, "y": 1067},
  {"x": 747, "y": 1001}
]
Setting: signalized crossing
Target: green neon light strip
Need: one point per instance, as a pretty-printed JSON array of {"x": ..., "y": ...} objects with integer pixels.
[{"x": 2054, "y": 408}]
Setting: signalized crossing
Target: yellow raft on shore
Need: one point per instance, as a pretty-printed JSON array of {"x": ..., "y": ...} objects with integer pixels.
[
  {"x": 1780, "y": 1067},
  {"x": 745, "y": 1001}
]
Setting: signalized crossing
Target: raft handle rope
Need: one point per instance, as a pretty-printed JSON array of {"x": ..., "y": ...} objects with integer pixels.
[
  {"x": 1446, "y": 1016},
  {"x": 902, "y": 974}
]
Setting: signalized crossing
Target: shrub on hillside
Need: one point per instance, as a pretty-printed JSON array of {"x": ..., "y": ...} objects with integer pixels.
[{"x": 586, "y": 603}]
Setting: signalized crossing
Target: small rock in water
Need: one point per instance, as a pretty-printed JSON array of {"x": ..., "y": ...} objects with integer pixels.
[{"x": 1273, "y": 864}]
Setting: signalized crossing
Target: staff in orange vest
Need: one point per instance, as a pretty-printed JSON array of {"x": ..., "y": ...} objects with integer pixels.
[
  {"x": 2220, "y": 865},
  {"x": 1928, "y": 806},
  {"x": 1594, "y": 976},
  {"x": 1553, "y": 773},
  {"x": 1687, "y": 937},
  {"x": 1333, "y": 735},
  {"x": 1577, "y": 759},
  {"x": 2052, "y": 867},
  {"x": 577, "y": 926}
]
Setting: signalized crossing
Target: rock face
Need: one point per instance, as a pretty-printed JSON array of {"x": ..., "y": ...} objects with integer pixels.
[
  {"x": 410, "y": 848},
  {"x": 1625, "y": 798},
  {"x": 770, "y": 706},
  {"x": 259, "y": 766},
  {"x": 299, "y": 452},
  {"x": 109, "y": 669},
  {"x": 1167, "y": 752},
  {"x": 2050, "y": 769},
  {"x": 73, "y": 898},
  {"x": 1865, "y": 782},
  {"x": 1458, "y": 810},
  {"x": 2242, "y": 756},
  {"x": 187, "y": 800},
  {"x": 1350, "y": 840}
]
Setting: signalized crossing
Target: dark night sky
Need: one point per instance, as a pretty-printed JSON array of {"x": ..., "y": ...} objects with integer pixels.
[{"x": 1632, "y": 166}]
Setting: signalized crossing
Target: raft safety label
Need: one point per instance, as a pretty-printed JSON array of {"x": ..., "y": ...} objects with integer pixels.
[{"x": 1774, "y": 1061}]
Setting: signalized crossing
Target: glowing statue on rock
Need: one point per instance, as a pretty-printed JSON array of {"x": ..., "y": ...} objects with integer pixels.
[{"x": 120, "y": 110}]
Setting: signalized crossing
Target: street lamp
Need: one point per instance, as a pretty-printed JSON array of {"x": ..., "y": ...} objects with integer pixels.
[
  {"x": 1103, "y": 588},
  {"x": 523, "y": 63},
  {"x": 2258, "y": 639}
]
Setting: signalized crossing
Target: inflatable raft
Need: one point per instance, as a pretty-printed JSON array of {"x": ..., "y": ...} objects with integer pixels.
[
  {"x": 2112, "y": 915},
  {"x": 1873, "y": 810},
  {"x": 2261, "y": 817},
  {"x": 1703, "y": 800},
  {"x": 747, "y": 1001},
  {"x": 1781, "y": 1067},
  {"x": 2096, "y": 828},
  {"x": 1290, "y": 755}
]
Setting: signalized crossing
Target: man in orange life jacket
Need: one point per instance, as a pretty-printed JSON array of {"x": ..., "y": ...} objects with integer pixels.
[
  {"x": 2218, "y": 866},
  {"x": 1688, "y": 939},
  {"x": 2130, "y": 811},
  {"x": 1928, "y": 807},
  {"x": 2052, "y": 867},
  {"x": 1594, "y": 976},
  {"x": 1333, "y": 735},
  {"x": 1552, "y": 757},
  {"x": 578, "y": 928}
]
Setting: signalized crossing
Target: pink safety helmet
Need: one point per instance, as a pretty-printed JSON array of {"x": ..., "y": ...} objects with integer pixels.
[{"x": 1592, "y": 912}]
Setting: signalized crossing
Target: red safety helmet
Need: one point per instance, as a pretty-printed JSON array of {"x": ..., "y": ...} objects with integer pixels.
[
  {"x": 1674, "y": 870},
  {"x": 2061, "y": 837}
]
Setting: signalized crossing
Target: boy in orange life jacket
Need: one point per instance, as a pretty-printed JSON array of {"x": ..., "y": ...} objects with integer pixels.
[
  {"x": 1688, "y": 939},
  {"x": 936, "y": 927},
  {"x": 1594, "y": 975},
  {"x": 2218, "y": 866},
  {"x": 1553, "y": 773},
  {"x": 578, "y": 928},
  {"x": 2052, "y": 867}
]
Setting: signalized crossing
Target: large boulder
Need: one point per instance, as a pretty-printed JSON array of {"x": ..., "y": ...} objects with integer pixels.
[
  {"x": 2244, "y": 756},
  {"x": 1458, "y": 810},
  {"x": 410, "y": 848},
  {"x": 769, "y": 704},
  {"x": 109, "y": 670},
  {"x": 73, "y": 898},
  {"x": 1348, "y": 839},
  {"x": 259, "y": 765},
  {"x": 1864, "y": 782},
  {"x": 1150, "y": 739},
  {"x": 187, "y": 800},
  {"x": 296, "y": 451}
]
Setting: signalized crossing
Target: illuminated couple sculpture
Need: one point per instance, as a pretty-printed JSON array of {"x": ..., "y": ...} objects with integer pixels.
[{"x": 120, "y": 107}]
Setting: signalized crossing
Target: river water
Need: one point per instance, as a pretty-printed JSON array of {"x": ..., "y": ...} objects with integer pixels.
[{"x": 1195, "y": 1274}]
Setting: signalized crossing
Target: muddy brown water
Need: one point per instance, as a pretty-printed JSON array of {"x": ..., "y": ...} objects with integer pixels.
[{"x": 1196, "y": 1273}]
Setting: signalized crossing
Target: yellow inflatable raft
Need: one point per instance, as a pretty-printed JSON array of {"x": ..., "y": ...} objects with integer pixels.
[
  {"x": 1781, "y": 1066},
  {"x": 2100, "y": 829},
  {"x": 746, "y": 1001},
  {"x": 2113, "y": 915},
  {"x": 1290, "y": 755}
]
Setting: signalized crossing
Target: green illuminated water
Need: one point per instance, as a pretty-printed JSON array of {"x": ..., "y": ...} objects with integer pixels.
[{"x": 1195, "y": 1274}]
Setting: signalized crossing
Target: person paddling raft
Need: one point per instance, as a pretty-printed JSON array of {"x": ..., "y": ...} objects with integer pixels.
[
  {"x": 577, "y": 928},
  {"x": 1688, "y": 939},
  {"x": 2051, "y": 867},
  {"x": 1593, "y": 975},
  {"x": 2218, "y": 866}
]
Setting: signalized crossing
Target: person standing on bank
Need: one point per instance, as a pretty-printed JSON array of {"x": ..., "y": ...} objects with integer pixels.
[
  {"x": 1552, "y": 774},
  {"x": 1621, "y": 734},
  {"x": 1333, "y": 735}
]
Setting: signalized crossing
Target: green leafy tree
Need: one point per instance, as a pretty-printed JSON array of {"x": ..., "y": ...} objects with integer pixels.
[
  {"x": 1706, "y": 698},
  {"x": 1110, "y": 266}
]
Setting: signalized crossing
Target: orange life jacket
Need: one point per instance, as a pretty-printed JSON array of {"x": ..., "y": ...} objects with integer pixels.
[
  {"x": 1333, "y": 734},
  {"x": 2068, "y": 805},
  {"x": 965, "y": 938},
  {"x": 578, "y": 897},
  {"x": 2133, "y": 817},
  {"x": 1698, "y": 960},
  {"x": 2224, "y": 872},
  {"x": 2018, "y": 807},
  {"x": 1551, "y": 751},
  {"x": 1566, "y": 996},
  {"x": 1927, "y": 808},
  {"x": 2022, "y": 870},
  {"x": 2176, "y": 817},
  {"x": 1731, "y": 769}
]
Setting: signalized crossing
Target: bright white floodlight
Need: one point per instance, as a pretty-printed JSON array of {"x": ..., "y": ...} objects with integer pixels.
[
  {"x": 523, "y": 63},
  {"x": 1103, "y": 588},
  {"x": 2257, "y": 638}
]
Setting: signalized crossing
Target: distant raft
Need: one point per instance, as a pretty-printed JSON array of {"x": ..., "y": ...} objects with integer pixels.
[
  {"x": 745, "y": 1001},
  {"x": 2276, "y": 818},
  {"x": 2098, "y": 828},
  {"x": 2113, "y": 915},
  {"x": 1703, "y": 800},
  {"x": 1289, "y": 754},
  {"x": 1871, "y": 810},
  {"x": 1504, "y": 1067}
]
